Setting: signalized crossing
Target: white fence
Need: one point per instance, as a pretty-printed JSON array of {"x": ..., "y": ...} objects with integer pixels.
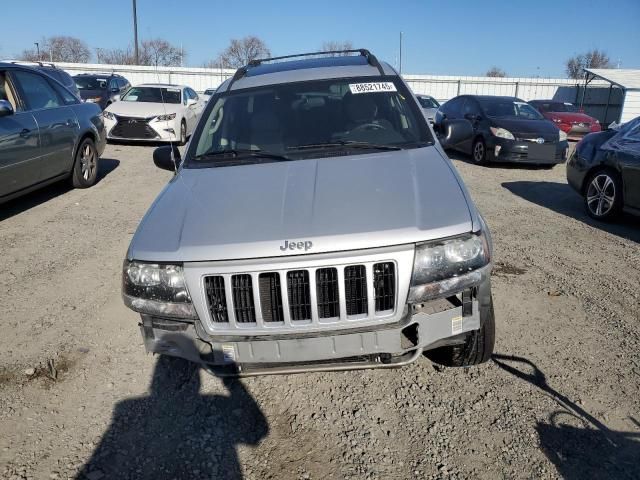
[{"x": 440, "y": 87}]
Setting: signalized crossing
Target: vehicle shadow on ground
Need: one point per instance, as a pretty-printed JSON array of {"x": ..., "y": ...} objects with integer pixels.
[
  {"x": 43, "y": 195},
  {"x": 176, "y": 432},
  {"x": 561, "y": 198},
  {"x": 591, "y": 451}
]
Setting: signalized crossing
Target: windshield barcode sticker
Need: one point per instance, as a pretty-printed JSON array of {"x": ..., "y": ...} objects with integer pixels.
[{"x": 372, "y": 87}]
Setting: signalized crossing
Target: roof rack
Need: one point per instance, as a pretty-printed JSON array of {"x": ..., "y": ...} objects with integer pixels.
[
  {"x": 242, "y": 71},
  {"x": 29, "y": 62}
]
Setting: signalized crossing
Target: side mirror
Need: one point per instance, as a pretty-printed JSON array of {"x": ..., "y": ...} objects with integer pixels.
[
  {"x": 191, "y": 101},
  {"x": 454, "y": 132},
  {"x": 6, "y": 108},
  {"x": 163, "y": 159}
]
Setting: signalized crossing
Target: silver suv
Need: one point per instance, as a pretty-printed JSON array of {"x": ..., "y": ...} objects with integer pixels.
[{"x": 314, "y": 223}]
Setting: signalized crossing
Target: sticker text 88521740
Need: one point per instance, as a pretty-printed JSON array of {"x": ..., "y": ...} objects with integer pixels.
[{"x": 372, "y": 87}]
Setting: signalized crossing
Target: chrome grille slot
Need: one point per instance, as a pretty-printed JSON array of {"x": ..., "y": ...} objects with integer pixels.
[
  {"x": 384, "y": 284},
  {"x": 355, "y": 286},
  {"x": 242, "y": 288},
  {"x": 299, "y": 295},
  {"x": 327, "y": 293},
  {"x": 216, "y": 299},
  {"x": 271, "y": 297}
]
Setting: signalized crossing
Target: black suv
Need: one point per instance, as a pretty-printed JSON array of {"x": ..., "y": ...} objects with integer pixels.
[
  {"x": 101, "y": 89},
  {"x": 54, "y": 72}
]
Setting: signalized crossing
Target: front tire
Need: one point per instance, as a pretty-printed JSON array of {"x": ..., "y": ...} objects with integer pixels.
[
  {"x": 183, "y": 132},
  {"x": 603, "y": 195},
  {"x": 479, "y": 151},
  {"x": 477, "y": 347},
  {"x": 85, "y": 167}
]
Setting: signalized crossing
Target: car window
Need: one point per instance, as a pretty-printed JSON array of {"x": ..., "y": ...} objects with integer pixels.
[
  {"x": 285, "y": 117},
  {"x": 91, "y": 83},
  {"x": 66, "y": 95},
  {"x": 37, "y": 91},
  {"x": 453, "y": 107},
  {"x": 6, "y": 92},
  {"x": 113, "y": 84},
  {"x": 153, "y": 95},
  {"x": 470, "y": 107},
  {"x": 505, "y": 107},
  {"x": 427, "y": 102},
  {"x": 192, "y": 93}
]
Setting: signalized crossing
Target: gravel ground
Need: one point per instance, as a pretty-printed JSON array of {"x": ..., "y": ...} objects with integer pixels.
[{"x": 79, "y": 398}]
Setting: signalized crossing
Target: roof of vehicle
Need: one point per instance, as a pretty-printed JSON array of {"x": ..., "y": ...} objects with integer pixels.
[
  {"x": 97, "y": 74},
  {"x": 161, "y": 85},
  {"x": 494, "y": 97},
  {"x": 283, "y": 70},
  {"x": 549, "y": 101}
]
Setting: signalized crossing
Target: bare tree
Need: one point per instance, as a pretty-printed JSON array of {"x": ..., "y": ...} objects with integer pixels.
[
  {"x": 240, "y": 52},
  {"x": 595, "y": 58},
  {"x": 159, "y": 52},
  {"x": 115, "y": 56},
  {"x": 59, "y": 48},
  {"x": 332, "y": 46},
  {"x": 495, "y": 72}
]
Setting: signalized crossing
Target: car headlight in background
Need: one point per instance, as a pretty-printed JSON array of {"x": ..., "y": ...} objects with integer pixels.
[
  {"x": 108, "y": 115},
  {"x": 446, "y": 267},
  {"x": 94, "y": 100},
  {"x": 562, "y": 136},
  {"x": 168, "y": 116},
  {"x": 556, "y": 120},
  {"x": 502, "y": 133},
  {"x": 156, "y": 289}
]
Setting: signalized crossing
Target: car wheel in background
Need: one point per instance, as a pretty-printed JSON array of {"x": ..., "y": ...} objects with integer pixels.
[
  {"x": 85, "y": 167},
  {"x": 603, "y": 194},
  {"x": 183, "y": 132},
  {"x": 479, "y": 151},
  {"x": 477, "y": 347}
]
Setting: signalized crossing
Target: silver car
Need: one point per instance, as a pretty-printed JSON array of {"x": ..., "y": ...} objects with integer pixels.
[
  {"x": 429, "y": 106},
  {"x": 313, "y": 224}
]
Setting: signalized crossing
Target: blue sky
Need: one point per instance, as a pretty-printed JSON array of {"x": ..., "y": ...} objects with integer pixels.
[{"x": 524, "y": 38}]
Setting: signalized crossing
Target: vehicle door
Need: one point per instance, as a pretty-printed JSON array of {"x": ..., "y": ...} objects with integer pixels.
[
  {"x": 190, "y": 110},
  {"x": 19, "y": 145},
  {"x": 628, "y": 153},
  {"x": 57, "y": 124},
  {"x": 200, "y": 103},
  {"x": 471, "y": 111},
  {"x": 114, "y": 88}
]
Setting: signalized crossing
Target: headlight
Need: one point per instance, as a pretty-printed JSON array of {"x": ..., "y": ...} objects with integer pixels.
[
  {"x": 562, "y": 136},
  {"x": 108, "y": 115},
  {"x": 94, "y": 99},
  {"x": 446, "y": 267},
  {"x": 168, "y": 116},
  {"x": 502, "y": 133},
  {"x": 156, "y": 289},
  {"x": 556, "y": 120}
]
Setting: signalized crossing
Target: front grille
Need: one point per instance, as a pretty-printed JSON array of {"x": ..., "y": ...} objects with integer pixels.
[
  {"x": 243, "y": 299},
  {"x": 299, "y": 295},
  {"x": 216, "y": 299},
  {"x": 309, "y": 295},
  {"x": 355, "y": 289},
  {"x": 133, "y": 128}
]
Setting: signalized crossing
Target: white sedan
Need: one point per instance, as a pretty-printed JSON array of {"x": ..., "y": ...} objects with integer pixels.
[{"x": 155, "y": 113}]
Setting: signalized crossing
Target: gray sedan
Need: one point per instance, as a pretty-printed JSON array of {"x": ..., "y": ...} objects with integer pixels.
[
  {"x": 429, "y": 106},
  {"x": 46, "y": 133}
]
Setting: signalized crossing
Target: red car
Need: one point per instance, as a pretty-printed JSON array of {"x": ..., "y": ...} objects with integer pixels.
[{"x": 567, "y": 117}]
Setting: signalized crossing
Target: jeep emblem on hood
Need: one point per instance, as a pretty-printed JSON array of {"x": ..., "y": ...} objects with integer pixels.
[{"x": 306, "y": 245}]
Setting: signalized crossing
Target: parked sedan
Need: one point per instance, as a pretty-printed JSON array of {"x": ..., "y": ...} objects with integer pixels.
[
  {"x": 567, "y": 117},
  {"x": 154, "y": 112},
  {"x": 505, "y": 129},
  {"x": 605, "y": 170},
  {"x": 206, "y": 95},
  {"x": 46, "y": 133},
  {"x": 429, "y": 106}
]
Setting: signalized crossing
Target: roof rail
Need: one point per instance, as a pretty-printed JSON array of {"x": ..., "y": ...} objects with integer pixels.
[
  {"x": 29, "y": 62},
  {"x": 371, "y": 60}
]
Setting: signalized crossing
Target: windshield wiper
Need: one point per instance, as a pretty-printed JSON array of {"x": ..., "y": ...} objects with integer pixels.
[
  {"x": 342, "y": 143},
  {"x": 238, "y": 153}
]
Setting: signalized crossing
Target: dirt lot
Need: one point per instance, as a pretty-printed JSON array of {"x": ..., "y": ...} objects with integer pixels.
[{"x": 79, "y": 397}]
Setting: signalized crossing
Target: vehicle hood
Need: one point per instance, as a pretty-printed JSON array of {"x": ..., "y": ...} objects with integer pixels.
[
  {"x": 84, "y": 94},
  {"x": 143, "y": 109},
  {"x": 570, "y": 117},
  {"x": 528, "y": 128},
  {"x": 336, "y": 203}
]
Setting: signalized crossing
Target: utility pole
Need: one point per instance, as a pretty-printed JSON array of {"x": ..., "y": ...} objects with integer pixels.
[
  {"x": 135, "y": 32},
  {"x": 400, "y": 53},
  {"x": 37, "y": 49}
]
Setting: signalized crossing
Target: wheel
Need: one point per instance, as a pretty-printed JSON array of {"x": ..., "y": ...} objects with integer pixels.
[
  {"x": 479, "y": 151},
  {"x": 183, "y": 132},
  {"x": 85, "y": 167},
  {"x": 603, "y": 194},
  {"x": 477, "y": 347}
]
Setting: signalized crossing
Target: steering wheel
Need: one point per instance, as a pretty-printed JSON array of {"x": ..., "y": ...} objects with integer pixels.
[{"x": 368, "y": 126}]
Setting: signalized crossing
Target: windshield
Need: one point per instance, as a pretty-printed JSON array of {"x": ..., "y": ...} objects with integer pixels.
[
  {"x": 560, "y": 107},
  {"x": 91, "y": 83},
  {"x": 153, "y": 95},
  {"x": 297, "y": 118},
  {"x": 428, "y": 102},
  {"x": 509, "y": 108}
]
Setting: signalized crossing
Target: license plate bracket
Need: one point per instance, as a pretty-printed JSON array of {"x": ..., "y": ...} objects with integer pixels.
[{"x": 541, "y": 152}]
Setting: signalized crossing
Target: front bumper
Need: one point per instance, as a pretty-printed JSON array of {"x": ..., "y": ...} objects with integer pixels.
[
  {"x": 523, "y": 151},
  {"x": 149, "y": 131}
]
